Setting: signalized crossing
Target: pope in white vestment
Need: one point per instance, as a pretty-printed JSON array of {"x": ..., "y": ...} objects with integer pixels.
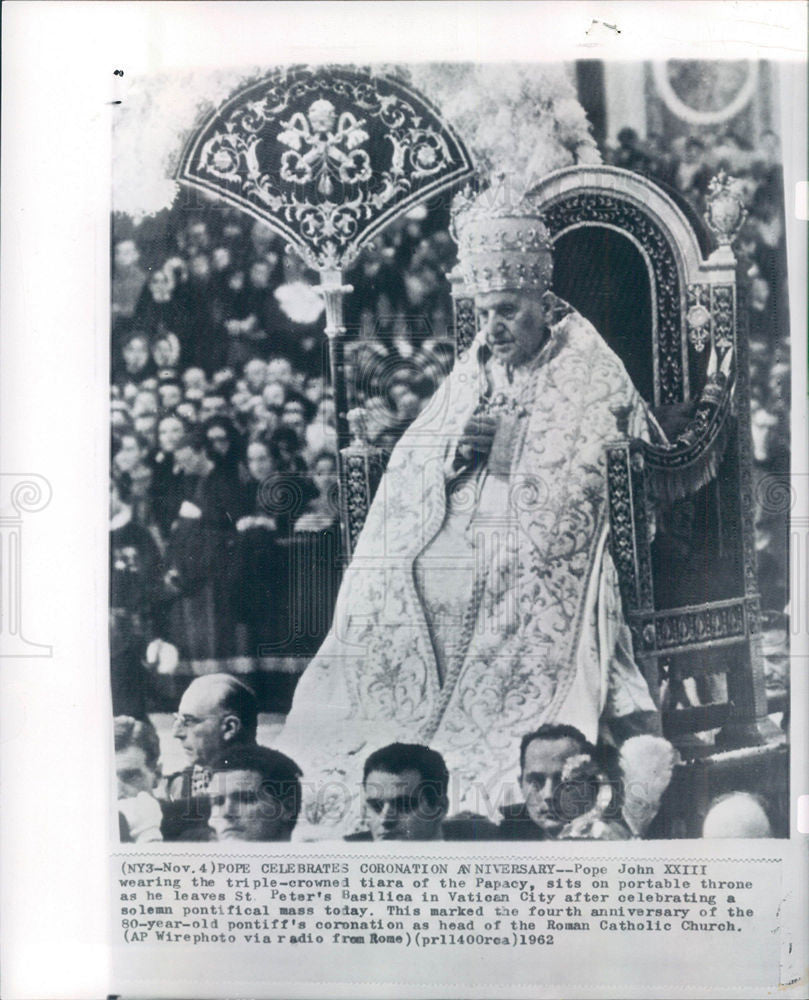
[{"x": 481, "y": 600}]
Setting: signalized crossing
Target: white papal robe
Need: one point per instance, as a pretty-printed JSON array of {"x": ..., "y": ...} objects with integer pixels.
[{"x": 479, "y": 606}]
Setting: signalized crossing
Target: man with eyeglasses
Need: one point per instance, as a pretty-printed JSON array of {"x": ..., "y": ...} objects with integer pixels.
[
  {"x": 217, "y": 713},
  {"x": 405, "y": 792}
]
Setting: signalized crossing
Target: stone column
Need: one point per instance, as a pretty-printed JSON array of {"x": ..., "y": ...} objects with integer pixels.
[{"x": 624, "y": 98}]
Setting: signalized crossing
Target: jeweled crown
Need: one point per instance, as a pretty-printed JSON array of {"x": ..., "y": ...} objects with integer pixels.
[{"x": 503, "y": 242}]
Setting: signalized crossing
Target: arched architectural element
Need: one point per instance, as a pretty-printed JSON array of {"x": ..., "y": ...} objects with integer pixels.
[{"x": 680, "y": 278}]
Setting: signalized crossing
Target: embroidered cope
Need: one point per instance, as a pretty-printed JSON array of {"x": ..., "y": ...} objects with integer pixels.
[{"x": 479, "y": 606}]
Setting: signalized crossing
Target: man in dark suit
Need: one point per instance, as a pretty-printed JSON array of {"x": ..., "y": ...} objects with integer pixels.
[
  {"x": 255, "y": 795},
  {"x": 543, "y": 814},
  {"x": 217, "y": 713},
  {"x": 405, "y": 788},
  {"x": 135, "y": 573}
]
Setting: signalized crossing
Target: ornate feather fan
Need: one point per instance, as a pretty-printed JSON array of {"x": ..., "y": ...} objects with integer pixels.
[{"x": 326, "y": 156}]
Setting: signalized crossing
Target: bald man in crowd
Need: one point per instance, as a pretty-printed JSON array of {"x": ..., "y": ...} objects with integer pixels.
[
  {"x": 737, "y": 815},
  {"x": 217, "y": 713}
]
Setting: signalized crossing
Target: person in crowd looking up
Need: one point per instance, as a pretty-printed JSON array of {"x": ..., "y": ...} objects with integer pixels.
[
  {"x": 194, "y": 379},
  {"x": 322, "y": 511},
  {"x": 166, "y": 353}
]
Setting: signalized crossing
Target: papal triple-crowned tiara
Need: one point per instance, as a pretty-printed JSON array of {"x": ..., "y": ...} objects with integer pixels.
[{"x": 503, "y": 242}]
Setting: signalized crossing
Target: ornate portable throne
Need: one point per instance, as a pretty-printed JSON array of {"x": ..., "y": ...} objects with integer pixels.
[{"x": 640, "y": 267}]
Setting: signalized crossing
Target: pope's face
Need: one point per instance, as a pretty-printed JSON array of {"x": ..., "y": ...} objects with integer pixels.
[{"x": 513, "y": 324}]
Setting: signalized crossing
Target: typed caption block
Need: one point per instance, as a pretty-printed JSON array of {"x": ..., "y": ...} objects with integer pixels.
[{"x": 214, "y": 901}]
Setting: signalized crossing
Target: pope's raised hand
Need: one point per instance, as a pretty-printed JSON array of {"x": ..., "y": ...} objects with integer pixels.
[{"x": 477, "y": 436}]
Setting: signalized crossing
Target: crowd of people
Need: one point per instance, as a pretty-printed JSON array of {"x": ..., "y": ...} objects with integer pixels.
[
  {"x": 235, "y": 789},
  {"x": 224, "y": 519}
]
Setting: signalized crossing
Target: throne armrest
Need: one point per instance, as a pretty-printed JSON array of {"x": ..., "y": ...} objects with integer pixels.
[{"x": 691, "y": 459}]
